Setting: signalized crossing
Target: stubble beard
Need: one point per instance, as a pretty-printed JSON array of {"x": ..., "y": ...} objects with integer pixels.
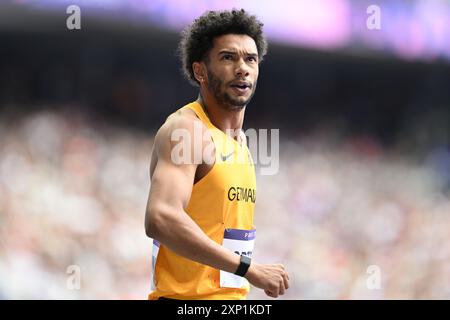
[{"x": 223, "y": 98}]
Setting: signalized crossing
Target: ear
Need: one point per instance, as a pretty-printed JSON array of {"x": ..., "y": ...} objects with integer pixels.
[{"x": 199, "y": 71}]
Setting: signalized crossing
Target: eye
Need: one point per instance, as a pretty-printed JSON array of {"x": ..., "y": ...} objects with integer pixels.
[
  {"x": 252, "y": 59},
  {"x": 227, "y": 57}
]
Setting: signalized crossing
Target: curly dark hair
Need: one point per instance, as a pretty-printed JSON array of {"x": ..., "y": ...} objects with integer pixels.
[{"x": 197, "y": 39}]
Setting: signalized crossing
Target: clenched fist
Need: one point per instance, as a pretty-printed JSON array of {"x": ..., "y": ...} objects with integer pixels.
[{"x": 272, "y": 278}]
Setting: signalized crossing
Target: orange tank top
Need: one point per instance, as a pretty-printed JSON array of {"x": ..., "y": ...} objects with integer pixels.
[{"x": 222, "y": 204}]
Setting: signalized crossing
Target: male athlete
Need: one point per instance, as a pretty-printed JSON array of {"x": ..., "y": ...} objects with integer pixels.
[{"x": 200, "y": 213}]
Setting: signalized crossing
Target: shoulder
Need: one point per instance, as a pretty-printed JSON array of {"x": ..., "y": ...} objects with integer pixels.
[
  {"x": 178, "y": 125},
  {"x": 183, "y": 119}
]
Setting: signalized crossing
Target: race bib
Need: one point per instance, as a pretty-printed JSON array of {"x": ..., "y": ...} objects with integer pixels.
[
  {"x": 155, "y": 251},
  {"x": 240, "y": 242}
]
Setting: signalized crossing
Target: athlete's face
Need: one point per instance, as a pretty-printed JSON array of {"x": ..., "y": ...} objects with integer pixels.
[{"x": 232, "y": 70}]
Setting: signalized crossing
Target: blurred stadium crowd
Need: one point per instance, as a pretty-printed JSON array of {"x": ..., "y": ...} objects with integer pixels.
[
  {"x": 73, "y": 191},
  {"x": 364, "y": 172}
]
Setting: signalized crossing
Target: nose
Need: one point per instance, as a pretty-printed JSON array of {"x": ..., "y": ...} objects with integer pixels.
[{"x": 242, "y": 69}]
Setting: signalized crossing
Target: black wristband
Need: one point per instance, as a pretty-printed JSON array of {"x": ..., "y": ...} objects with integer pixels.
[{"x": 243, "y": 266}]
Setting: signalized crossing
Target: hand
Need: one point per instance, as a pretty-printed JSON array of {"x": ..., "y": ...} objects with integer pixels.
[{"x": 272, "y": 278}]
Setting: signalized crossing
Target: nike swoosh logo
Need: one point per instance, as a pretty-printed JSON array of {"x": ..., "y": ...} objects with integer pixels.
[{"x": 224, "y": 158}]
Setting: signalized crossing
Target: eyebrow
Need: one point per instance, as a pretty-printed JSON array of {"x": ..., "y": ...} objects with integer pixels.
[{"x": 234, "y": 53}]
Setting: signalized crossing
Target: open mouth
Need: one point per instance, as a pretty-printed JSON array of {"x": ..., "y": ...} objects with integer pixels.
[
  {"x": 243, "y": 85},
  {"x": 241, "y": 88}
]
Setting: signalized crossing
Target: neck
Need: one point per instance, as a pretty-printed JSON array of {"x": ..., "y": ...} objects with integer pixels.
[{"x": 225, "y": 120}]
